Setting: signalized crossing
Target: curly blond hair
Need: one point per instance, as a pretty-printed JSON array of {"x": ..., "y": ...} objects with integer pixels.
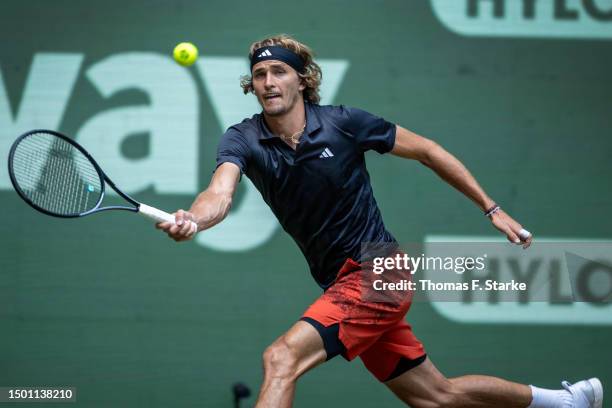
[{"x": 312, "y": 75}]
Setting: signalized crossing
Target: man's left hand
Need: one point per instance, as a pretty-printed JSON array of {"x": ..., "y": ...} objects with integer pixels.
[{"x": 513, "y": 230}]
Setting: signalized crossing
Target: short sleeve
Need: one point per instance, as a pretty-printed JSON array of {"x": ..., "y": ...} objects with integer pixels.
[
  {"x": 233, "y": 148},
  {"x": 371, "y": 132}
]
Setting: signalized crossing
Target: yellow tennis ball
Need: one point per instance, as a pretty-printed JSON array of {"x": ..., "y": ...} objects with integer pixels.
[{"x": 185, "y": 53}]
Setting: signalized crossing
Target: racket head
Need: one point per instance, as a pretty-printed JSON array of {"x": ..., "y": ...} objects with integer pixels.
[{"x": 55, "y": 175}]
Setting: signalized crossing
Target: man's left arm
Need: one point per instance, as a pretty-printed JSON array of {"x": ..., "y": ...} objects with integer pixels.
[{"x": 412, "y": 146}]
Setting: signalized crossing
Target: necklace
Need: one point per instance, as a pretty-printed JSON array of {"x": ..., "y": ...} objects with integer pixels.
[{"x": 293, "y": 139}]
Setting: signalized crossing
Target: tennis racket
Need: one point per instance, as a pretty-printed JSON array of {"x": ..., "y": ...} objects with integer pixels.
[{"x": 58, "y": 177}]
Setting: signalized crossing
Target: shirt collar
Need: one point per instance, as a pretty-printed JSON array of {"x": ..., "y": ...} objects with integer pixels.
[{"x": 312, "y": 123}]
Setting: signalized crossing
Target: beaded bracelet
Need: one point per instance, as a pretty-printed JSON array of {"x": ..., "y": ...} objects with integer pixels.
[{"x": 495, "y": 208}]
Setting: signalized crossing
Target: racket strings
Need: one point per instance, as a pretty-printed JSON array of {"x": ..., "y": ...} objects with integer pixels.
[{"x": 55, "y": 175}]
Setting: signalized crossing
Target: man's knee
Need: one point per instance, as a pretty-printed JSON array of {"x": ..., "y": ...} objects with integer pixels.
[{"x": 279, "y": 360}]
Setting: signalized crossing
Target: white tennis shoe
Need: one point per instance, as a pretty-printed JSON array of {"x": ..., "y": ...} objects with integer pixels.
[{"x": 586, "y": 393}]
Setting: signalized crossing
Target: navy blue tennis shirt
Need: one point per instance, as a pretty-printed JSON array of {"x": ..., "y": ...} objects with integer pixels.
[{"x": 321, "y": 192}]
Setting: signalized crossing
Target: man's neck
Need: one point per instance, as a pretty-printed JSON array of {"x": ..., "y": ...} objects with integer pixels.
[{"x": 288, "y": 124}]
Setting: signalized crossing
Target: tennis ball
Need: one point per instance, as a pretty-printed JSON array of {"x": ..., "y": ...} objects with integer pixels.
[{"x": 185, "y": 53}]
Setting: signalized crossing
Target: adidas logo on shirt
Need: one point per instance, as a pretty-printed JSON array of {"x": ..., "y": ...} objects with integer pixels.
[
  {"x": 326, "y": 154},
  {"x": 265, "y": 53}
]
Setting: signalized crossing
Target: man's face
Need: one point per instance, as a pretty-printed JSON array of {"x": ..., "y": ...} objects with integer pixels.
[{"x": 277, "y": 87}]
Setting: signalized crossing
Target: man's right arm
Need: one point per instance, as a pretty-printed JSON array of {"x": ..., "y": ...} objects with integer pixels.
[{"x": 210, "y": 206}]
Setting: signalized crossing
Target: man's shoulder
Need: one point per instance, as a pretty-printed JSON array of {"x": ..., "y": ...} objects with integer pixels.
[
  {"x": 339, "y": 113},
  {"x": 345, "y": 118},
  {"x": 331, "y": 110},
  {"x": 248, "y": 129}
]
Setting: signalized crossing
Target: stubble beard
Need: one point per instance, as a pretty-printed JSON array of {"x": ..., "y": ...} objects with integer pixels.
[
  {"x": 275, "y": 110},
  {"x": 278, "y": 110}
]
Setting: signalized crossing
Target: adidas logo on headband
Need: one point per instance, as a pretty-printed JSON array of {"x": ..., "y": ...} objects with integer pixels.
[
  {"x": 280, "y": 54},
  {"x": 266, "y": 53}
]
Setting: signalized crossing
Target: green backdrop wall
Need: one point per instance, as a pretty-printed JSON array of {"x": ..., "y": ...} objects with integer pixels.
[{"x": 110, "y": 306}]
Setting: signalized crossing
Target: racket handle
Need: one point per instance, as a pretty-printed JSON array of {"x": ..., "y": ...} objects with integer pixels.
[
  {"x": 155, "y": 214},
  {"x": 162, "y": 216}
]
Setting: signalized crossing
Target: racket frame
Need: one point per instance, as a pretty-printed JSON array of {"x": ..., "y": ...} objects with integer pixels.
[{"x": 104, "y": 179}]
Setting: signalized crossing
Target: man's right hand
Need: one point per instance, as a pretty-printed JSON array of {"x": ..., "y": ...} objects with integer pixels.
[{"x": 184, "y": 229}]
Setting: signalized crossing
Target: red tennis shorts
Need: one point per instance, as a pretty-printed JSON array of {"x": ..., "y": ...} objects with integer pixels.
[{"x": 367, "y": 327}]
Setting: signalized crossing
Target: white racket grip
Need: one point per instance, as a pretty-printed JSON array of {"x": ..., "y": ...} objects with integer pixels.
[
  {"x": 162, "y": 216},
  {"x": 155, "y": 214}
]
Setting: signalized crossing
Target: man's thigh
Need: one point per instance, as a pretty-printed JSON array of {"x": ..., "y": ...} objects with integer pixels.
[{"x": 419, "y": 384}]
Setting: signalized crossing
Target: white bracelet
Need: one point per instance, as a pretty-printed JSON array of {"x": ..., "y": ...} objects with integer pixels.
[{"x": 493, "y": 211}]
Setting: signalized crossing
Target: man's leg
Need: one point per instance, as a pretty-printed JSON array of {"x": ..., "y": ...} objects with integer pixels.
[
  {"x": 285, "y": 360},
  {"x": 424, "y": 386}
]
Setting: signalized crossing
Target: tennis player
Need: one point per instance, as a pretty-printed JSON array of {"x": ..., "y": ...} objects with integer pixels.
[{"x": 308, "y": 163}]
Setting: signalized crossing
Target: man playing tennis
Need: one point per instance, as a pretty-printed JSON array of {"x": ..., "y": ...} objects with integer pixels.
[{"x": 308, "y": 163}]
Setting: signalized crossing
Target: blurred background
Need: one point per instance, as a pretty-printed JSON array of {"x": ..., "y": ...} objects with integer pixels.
[{"x": 520, "y": 91}]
